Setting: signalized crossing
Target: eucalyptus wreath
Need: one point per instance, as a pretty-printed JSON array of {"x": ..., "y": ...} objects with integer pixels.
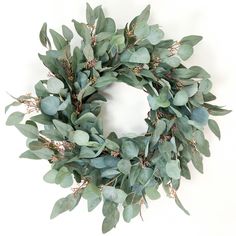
[{"x": 63, "y": 126}]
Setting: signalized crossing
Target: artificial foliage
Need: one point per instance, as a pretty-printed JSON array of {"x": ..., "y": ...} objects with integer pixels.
[{"x": 63, "y": 126}]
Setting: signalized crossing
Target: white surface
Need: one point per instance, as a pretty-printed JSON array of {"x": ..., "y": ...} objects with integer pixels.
[{"x": 26, "y": 201}]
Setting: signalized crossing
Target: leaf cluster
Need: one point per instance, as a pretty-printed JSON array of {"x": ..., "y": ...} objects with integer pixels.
[{"x": 67, "y": 130}]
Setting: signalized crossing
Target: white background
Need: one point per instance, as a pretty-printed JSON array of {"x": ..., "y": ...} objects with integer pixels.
[{"x": 26, "y": 201}]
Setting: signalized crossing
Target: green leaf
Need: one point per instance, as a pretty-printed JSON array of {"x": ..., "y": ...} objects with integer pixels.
[
  {"x": 93, "y": 203},
  {"x": 214, "y": 127},
  {"x": 16, "y": 103},
  {"x": 129, "y": 149},
  {"x": 50, "y": 176},
  {"x": 41, "y": 90},
  {"x": 155, "y": 35},
  {"x": 201, "y": 73},
  {"x": 140, "y": 56},
  {"x": 30, "y": 155},
  {"x": 113, "y": 194},
  {"x": 86, "y": 152},
  {"x": 172, "y": 61},
  {"x": 180, "y": 205},
  {"x": 80, "y": 137},
  {"x": 105, "y": 81},
  {"x": 185, "y": 51},
  {"x": 15, "y": 118},
  {"x": 109, "y": 173},
  {"x": 49, "y": 105},
  {"x": 112, "y": 145},
  {"x": 124, "y": 166},
  {"x": 152, "y": 193},
  {"x": 90, "y": 17},
  {"x": 110, "y": 221},
  {"x": 200, "y": 115},
  {"x": 141, "y": 29},
  {"x": 54, "y": 85},
  {"x": 35, "y": 145},
  {"x": 209, "y": 97},
  {"x": 62, "y": 127},
  {"x": 218, "y": 111},
  {"x": 201, "y": 143},
  {"x": 197, "y": 161},
  {"x": 103, "y": 35},
  {"x": 100, "y": 21},
  {"x": 145, "y": 175},
  {"x": 83, "y": 30},
  {"x": 159, "y": 129},
  {"x": 87, "y": 117},
  {"x": 191, "y": 89},
  {"x": 181, "y": 98},
  {"x": 42, "y": 119},
  {"x": 108, "y": 207},
  {"x": 67, "y": 33},
  {"x": 158, "y": 101},
  {"x": 88, "y": 52},
  {"x": 205, "y": 86},
  {"x": 91, "y": 192},
  {"x": 183, "y": 73},
  {"x": 43, "y": 153},
  {"x": 28, "y": 130},
  {"x": 117, "y": 41},
  {"x": 130, "y": 212},
  {"x": 173, "y": 169},
  {"x": 109, "y": 25},
  {"x": 65, "y": 204},
  {"x": 191, "y": 40},
  {"x": 134, "y": 173},
  {"x": 64, "y": 178},
  {"x": 58, "y": 40},
  {"x": 43, "y": 36}
]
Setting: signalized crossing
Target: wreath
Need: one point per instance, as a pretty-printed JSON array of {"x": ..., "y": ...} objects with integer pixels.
[{"x": 63, "y": 126}]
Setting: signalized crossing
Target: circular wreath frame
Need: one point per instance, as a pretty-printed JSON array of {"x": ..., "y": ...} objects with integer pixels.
[{"x": 68, "y": 131}]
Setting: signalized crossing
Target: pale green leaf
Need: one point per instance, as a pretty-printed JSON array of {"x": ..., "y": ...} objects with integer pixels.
[
  {"x": 29, "y": 155},
  {"x": 110, "y": 221},
  {"x": 88, "y": 52},
  {"x": 67, "y": 33},
  {"x": 65, "y": 204},
  {"x": 42, "y": 119},
  {"x": 172, "y": 61},
  {"x": 28, "y": 130},
  {"x": 62, "y": 127},
  {"x": 181, "y": 98},
  {"x": 191, "y": 40},
  {"x": 185, "y": 51},
  {"x": 86, "y": 152},
  {"x": 197, "y": 161},
  {"x": 58, "y": 40},
  {"x": 54, "y": 85},
  {"x": 155, "y": 35},
  {"x": 113, "y": 194},
  {"x": 214, "y": 127},
  {"x": 105, "y": 81},
  {"x": 49, "y": 105},
  {"x": 173, "y": 169},
  {"x": 90, "y": 17},
  {"x": 200, "y": 115},
  {"x": 152, "y": 193},
  {"x": 140, "y": 56},
  {"x": 15, "y": 118},
  {"x": 124, "y": 166},
  {"x": 50, "y": 176},
  {"x": 80, "y": 137},
  {"x": 129, "y": 149}
]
